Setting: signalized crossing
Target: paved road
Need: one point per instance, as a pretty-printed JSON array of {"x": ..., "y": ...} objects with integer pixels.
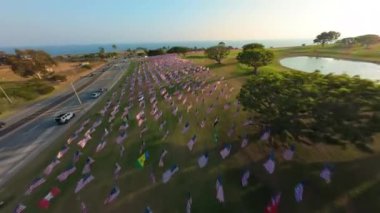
[{"x": 24, "y": 143}]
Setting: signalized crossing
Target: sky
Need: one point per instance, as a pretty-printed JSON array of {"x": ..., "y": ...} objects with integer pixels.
[{"x": 64, "y": 22}]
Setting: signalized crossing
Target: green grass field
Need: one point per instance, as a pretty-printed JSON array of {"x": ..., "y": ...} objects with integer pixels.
[{"x": 354, "y": 187}]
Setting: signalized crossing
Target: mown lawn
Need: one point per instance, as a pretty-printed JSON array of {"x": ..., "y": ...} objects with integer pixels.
[{"x": 354, "y": 188}]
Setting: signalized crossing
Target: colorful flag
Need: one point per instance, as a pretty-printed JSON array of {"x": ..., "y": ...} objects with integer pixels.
[
  {"x": 62, "y": 151},
  {"x": 113, "y": 195},
  {"x": 298, "y": 192},
  {"x": 202, "y": 160},
  {"x": 219, "y": 190},
  {"x": 272, "y": 207},
  {"x": 245, "y": 178},
  {"x": 65, "y": 174},
  {"x": 19, "y": 208},
  {"x": 166, "y": 176},
  {"x": 288, "y": 153},
  {"x": 87, "y": 178},
  {"x": 225, "y": 152},
  {"x": 141, "y": 160},
  {"x": 35, "y": 183}
]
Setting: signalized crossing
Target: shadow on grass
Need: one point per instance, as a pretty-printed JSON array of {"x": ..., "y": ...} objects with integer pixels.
[{"x": 196, "y": 57}]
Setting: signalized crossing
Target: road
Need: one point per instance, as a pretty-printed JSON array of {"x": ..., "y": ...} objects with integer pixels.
[{"x": 24, "y": 143}]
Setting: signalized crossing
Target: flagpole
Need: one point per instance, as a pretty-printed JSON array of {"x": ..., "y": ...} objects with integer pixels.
[
  {"x": 10, "y": 101},
  {"x": 76, "y": 94}
]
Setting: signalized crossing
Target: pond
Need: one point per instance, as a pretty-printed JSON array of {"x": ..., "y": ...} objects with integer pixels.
[{"x": 365, "y": 70}]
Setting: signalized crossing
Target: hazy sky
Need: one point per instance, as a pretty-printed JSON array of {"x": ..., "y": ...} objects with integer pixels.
[{"x": 60, "y": 22}]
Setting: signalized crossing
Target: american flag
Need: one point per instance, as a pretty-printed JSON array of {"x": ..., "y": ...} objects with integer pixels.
[
  {"x": 244, "y": 142},
  {"x": 62, "y": 152},
  {"x": 298, "y": 192},
  {"x": 189, "y": 203},
  {"x": 82, "y": 143},
  {"x": 83, "y": 182},
  {"x": 101, "y": 146},
  {"x": 76, "y": 156},
  {"x": 219, "y": 190},
  {"x": 225, "y": 152},
  {"x": 288, "y": 153},
  {"x": 166, "y": 176},
  {"x": 64, "y": 175},
  {"x": 202, "y": 161},
  {"x": 113, "y": 195},
  {"x": 326, "y": 174},
  {"x": 187, "y": 126},
  {"x": 19, "y": 208},
  {"x": 269, "y": 165},
  {"x": 51, "y": 166},
  {"x": 35, "y": 183},
  {"x": 163, "y": 154},
  {"x": 245, "y": 178},
  {"x": 116, "y": 173},
  {"x": 265, "y": 136},
  {"x": 272, "y": 207},
  {"x": 191, "y": 143}
]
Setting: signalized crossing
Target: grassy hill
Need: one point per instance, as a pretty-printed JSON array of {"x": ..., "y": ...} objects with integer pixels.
[{"x": 355, "y": 180}]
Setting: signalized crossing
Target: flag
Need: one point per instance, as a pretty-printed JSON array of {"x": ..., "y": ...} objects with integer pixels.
[
  {"x": 187, "y": 126},
  {"x": 163, "y": 154},
  {"x": 326, "y": 174},
  {"x": 101, "y": 146},
  {"x": 265, "y": 136},
  {"x": 51, "y": 166},
  {"x": 35, "y": 183},
  {"x": 116, "y": 173},
  {"x": 191, "y": 143},
  {"x": 19, "y": 208},
  {"x": 270, "y": 165},
  {"x": 62, "y": 151},
  {"x": 83, "y": 207},
  {"x": 225, "y": 152},
  {"x": 141, "y": 160},
  {"x": 272, "y": 207},
  {"x": 148, "y": 210},
  {"x": 122, "y": 150},
  {"x": 298, "y": 192},
  {"x": 82, "y": 143},
  {"x": 45, "y": 202},
  {"x": 121, "y": 137},
  {"x": 216, "y": 121},
  {"x": 72, "y": 138},
  {"x": 244, "y": 142},
  {"x": 113, "y": 195},
  {"x": 288, "y": 153},
  {"x": 76, "y": 156},
  {"x": 202, "y": 161},
  {"x": 189, "y": 203},
  {"x": 83, "y": 182},
  {"x": 245, "y": 177},
  {"x": 166, "y": 176},
  {"x": 65, "y": 174},
  {"x": 219, "y": 190}
]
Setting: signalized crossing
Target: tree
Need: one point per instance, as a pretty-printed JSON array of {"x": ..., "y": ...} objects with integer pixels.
[
  {"x": 252, "y": 46},
  {"x": 326, "y": 37},
  {"x": 28, "y": 63},
  {"x": 255, "y": 58},
  {"x": 323, "y": 108},
  {"x": 114, "y": 46},
  {"x": 217, "y": 53},
  {"x": 101, "y": 52},
  {"x": 156, "y": 52},
  {"x": 347, "y": 42},
  {"x": 179, "y": 50},
  {"x": 221, "y": 43},
  {"x": 367, "y": 40}
]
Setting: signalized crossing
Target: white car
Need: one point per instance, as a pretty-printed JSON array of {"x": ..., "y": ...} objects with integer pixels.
[
  {"x": 95, "y": 94},
  {"x": 64, "y": 117}
]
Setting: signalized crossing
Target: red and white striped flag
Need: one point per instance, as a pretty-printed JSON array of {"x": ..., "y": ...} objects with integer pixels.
[
  {"x": 64, "y": 175},
  {"x": 19, "y": 208},
  {"x": 36, "y": 183},
  {"x": 202, "y": 160},
  {"x": 51, "y": 166},
  {"x": 83, "y": 182},
  {"x": 113, "y": 195},
  {"x": 219, "y": 190}
]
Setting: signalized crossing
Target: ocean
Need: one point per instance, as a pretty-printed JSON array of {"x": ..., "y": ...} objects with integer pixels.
[{"x": 92, "y": 48}]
